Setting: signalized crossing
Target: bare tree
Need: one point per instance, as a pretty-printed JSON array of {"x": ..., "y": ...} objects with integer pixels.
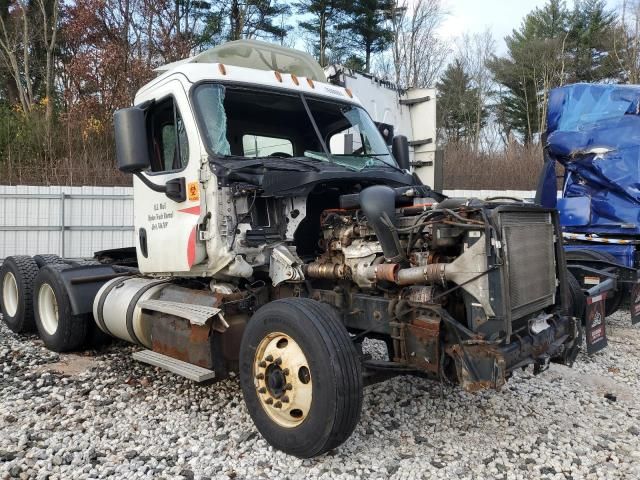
[
  {"x": 627, "y": 40},
  {"x": 49, "y": 35},
  {"x": 475, "y": 50},
  {"x": 15, "y": 38},
  {"x": 419, "y": 54}
]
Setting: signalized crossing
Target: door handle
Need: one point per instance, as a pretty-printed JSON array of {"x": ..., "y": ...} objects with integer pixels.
[
  {"x": 176, "y": 189},
  {"x": 142, "y": 237}
]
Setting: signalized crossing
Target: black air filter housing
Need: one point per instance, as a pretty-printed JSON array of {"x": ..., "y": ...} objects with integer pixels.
[{"x": 379, "y": 202}]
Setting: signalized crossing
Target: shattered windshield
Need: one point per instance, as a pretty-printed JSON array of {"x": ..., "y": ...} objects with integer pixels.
[{"x": 245, "y": 123}]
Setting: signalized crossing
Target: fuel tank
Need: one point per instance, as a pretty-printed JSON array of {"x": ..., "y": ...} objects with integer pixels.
[{"x": 116, "y": 308}]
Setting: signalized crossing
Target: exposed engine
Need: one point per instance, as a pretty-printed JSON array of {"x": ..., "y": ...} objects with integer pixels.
[
  {"x": 404, "y": 246},
  {"x": 446, "y": 280}
]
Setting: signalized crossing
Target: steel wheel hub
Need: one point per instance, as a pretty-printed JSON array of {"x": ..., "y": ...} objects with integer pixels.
[
  {"x": 282, "y": 379},
  {"x": 48, "y": 309},
  {"x": 10, "y": 294}
]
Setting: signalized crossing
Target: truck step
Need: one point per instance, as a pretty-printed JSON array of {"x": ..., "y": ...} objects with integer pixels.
[
  {"x": 184, "y": 369},
  {"x": 196, "y": 314}
]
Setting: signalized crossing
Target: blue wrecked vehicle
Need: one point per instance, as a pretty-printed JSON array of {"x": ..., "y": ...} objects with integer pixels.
[{"x": 593, "y": 145}]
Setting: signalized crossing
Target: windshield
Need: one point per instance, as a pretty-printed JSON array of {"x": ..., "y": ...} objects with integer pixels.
[{"x": 246, "y": 123}]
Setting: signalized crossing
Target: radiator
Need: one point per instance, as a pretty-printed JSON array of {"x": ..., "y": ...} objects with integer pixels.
[{"x": 530, "y": 261}]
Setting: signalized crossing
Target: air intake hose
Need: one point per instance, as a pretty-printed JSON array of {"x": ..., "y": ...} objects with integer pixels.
[{"x": 378, "y": 203}]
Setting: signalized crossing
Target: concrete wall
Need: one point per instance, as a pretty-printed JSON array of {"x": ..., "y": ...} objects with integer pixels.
[
  {"x": 68, "y": 221},
  {"x": 74, "y": 222},
  {"x": 521, "y": 194}
]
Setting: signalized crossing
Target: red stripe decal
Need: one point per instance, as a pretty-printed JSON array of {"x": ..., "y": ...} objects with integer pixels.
[
  {"x": 193, "y": 210},
  {"x": 191, "y": 247}
]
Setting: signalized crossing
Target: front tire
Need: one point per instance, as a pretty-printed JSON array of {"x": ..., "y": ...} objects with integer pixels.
[
  {"x": 301, "y": 377},
  {"x": 16, "y": 292},
  {"x": 59, "y": 328}
]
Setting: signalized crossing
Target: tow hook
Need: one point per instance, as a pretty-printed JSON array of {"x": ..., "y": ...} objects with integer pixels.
[{"x": 541, "y": 365}]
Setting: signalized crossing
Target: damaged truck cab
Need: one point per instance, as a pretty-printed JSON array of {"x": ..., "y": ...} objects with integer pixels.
[
  {"x": 593, "y": 133},
  {"x": 277, "y": 229}
]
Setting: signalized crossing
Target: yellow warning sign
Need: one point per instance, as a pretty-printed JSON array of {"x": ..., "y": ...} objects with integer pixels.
[{"x": 193, "y": 190}]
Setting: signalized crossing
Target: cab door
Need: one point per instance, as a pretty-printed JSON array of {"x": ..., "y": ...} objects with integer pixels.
[{"x": 166, "y": 228}]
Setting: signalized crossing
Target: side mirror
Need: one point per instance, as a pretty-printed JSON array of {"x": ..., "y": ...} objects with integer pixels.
[
  {"x": 386, "y": 130},
  {"x": 400, "y": 150},
  {"x": 132, "y": 152}
]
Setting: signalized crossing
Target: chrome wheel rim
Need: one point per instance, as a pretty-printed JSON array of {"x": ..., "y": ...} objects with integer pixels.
[
  {"x": 48, "y": 309},
  {"x": 282, "y": 379},
  {"x": 10, "y": 294}
]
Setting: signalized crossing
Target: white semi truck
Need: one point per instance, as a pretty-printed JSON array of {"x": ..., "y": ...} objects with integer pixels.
[{"x": 276, "y": 229}]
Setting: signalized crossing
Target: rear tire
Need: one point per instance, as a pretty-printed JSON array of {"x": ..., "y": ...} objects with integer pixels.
[
  {"x": 59, "y": 328},
  {"x": 16, "y": 292},
  {"x": 48, "y": 259},
  {"x": 310, "y": 402}
]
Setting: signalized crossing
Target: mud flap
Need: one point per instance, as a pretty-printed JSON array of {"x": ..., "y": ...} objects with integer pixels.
[
  {"x": 635, "y": 304},
  {"x": 595, "y": 328}
]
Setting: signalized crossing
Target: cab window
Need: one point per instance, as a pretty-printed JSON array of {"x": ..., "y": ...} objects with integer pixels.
[
  {"x": 168, "y": 143},
  {"x": 260, "y": 146}
]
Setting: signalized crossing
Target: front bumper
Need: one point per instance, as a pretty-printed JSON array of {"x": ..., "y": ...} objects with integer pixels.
[{"x": 482, "y": 365}]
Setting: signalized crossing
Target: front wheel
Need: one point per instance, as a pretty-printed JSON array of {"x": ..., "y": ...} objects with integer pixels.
[{"x": 301, "y": 377}]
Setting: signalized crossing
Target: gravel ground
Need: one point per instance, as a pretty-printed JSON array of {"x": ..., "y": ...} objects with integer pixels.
[{"x": 104, "y": 415}]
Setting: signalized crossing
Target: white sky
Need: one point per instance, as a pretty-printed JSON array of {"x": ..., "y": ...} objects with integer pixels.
[
  {"x": 500, "y": 16},
  {"x": 473, "y": 16}
]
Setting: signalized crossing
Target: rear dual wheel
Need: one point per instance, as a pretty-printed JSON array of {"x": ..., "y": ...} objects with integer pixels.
[
  {"x": 59, "y": 328},
  {"x": 17, "y": 275},
  {"x": 301, "y": 376}
]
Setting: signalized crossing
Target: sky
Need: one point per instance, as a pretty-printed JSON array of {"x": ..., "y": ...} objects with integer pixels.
[
  {"x": 500, "y": 16},
  {"x": 473, "y": 16}
]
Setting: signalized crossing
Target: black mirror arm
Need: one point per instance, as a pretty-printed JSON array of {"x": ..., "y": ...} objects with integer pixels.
[
  {"x": 153, "y": 186},
  {"x": 177, "y": 191}
]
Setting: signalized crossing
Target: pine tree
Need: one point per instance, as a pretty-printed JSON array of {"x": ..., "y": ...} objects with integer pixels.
[
  {"x": 458, "y": 104},
  {"x": 552, "y": 47},
  {"x": 233, "y": 20},
  {"x": 536, "y": 61},
  {"x": 321, "y": 25},
  {"x": 591, "y": 42},
  {"x": 367, "y": 26}
]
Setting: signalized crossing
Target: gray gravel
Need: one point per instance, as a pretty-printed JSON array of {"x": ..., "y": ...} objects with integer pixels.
[{"x": 104, "y": 415}]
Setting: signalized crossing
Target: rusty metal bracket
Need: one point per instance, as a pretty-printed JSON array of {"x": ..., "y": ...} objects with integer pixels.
[{"x": 196, "y": 314}]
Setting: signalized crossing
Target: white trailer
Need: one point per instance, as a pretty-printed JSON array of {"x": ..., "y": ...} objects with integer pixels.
[{"x": 410, "y": 112}]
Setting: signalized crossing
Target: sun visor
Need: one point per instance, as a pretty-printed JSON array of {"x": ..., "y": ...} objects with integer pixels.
[{"x": 263, "y": 56}]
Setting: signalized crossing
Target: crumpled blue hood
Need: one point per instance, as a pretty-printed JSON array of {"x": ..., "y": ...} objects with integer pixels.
[{"x": 594, "y": 132}]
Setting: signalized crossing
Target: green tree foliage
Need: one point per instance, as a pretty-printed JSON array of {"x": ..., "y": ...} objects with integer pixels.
[
  {"x": 320, "y": 24},
  {"x": 534, "y": 64},
  {"x": 552, "y": 47},
  {"x": 368, "y": 29},
  {"x": 591, "y": 43},
  {"x": 459, "y": 103},
  {"x": 235, "y": 19}
]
